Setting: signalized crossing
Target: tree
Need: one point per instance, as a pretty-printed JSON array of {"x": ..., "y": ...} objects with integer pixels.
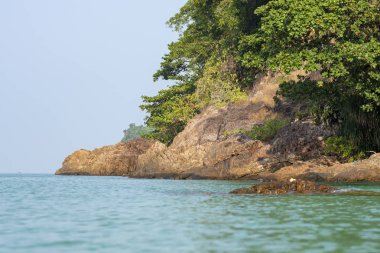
[
  {"x": 203, "y": 63},
  {"x": 134, "y": 131},
  {"x": 169, "y": 111},
  {"x": 340, "y": 39},
  {"x": 223, "y": 44}
]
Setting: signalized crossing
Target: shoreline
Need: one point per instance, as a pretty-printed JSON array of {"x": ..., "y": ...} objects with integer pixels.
[
  {"x": 361, "y": 171},
  {"x": 216, "y": 144}
]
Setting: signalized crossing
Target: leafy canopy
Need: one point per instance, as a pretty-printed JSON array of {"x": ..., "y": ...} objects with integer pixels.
[
  {"x": 203, "y": 63},
  {"x": 338, "y": 38},
  {"x": 223, "y": 44}
]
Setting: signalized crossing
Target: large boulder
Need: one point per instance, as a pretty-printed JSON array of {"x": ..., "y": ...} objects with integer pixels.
[{"x": 114, "y": 160}]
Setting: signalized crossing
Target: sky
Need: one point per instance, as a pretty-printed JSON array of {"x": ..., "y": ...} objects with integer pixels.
[{"x": 72, "y": 73}]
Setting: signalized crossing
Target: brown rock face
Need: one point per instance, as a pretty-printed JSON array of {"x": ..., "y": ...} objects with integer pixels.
[
  {"x": 115, "y": 160},
  {"x": 302, "y": 139},
  {"x": 279, "y": 188},
  {"x": 202, "y": 150},
  {"x": 324, "y": 170},
  {"x": 230, "y": 159}
]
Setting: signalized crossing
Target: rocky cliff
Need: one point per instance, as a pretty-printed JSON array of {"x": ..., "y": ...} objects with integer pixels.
[
  {"x": 207, "y": 148},
  {"x": 204, "y": 150}
]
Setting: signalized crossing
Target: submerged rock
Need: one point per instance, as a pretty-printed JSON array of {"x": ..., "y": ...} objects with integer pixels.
[{"x": 291, "y": 186}]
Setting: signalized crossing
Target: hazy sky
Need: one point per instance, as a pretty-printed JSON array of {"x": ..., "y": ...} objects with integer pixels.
[{"x": 72, "y": 73}]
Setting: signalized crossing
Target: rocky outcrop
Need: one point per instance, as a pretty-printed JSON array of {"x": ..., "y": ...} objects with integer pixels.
[
  {"x": 114, "y": 160},
  {"x": 325, "y": 170},
  {"x": 207, "y": 148},
  {"x": 286, "y": 187},
  {"x": 203, "y": 151},
  {"x": 210, "y": 148},
  {"x": 303, "y": 140}
]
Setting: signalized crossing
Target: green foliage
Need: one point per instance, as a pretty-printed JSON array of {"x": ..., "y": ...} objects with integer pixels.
[
  {"x": 210, "y": 31},
  {"x": 223, "y": 44},
  {"x": 344, "y": 148},
  {"x": 169, "y": 111},
  {"x": 134, "y": 131},
  {"x": 227, "y": 133},
  {"x": 334, "y": 37},
  {"x": 204, "y": 63},
  {"x": 219, "y": 85},
  {"x": 362, "y": 127},
  {"x": 268, "y": 130},
  {"x": 325, "y": 105},
  {"x": 318, "y": 102},
  {"x": 339, "y": 39}
]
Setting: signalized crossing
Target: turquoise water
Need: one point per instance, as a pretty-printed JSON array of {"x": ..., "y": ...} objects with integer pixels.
[{"x": 45, "y": 213}]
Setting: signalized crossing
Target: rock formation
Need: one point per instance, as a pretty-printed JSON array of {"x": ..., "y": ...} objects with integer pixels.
[
  {"x": 204, "y": 150},
  {"x": 114, "y": 160},
  {"x": 209, "y": 149},
  {"x": 286, "y": 187},
  {"x": 322, "y": 170}
]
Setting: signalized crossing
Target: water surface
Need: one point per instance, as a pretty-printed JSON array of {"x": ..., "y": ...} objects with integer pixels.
[{"x": 45, "y": 213}]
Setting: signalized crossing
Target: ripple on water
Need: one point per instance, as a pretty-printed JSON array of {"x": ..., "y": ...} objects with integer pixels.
[{"x": 42, "y": 213}]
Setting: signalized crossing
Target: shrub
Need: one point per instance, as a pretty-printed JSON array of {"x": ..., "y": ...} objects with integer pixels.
[
  {"x": 268, "y": 130},
  {"x": 344, "y": 148},
  {"x": 134, "y": 132},
  {"x": 227, "y": 133}
]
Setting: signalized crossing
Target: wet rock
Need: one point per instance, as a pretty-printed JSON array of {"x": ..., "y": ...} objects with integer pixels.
[{"x": 287, "y": 187}]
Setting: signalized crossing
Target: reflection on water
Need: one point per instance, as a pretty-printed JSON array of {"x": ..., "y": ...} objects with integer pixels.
[{"x": 43, "y": 213}]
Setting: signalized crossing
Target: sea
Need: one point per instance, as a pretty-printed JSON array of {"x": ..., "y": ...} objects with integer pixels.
[{"x": 53, "y": 214}]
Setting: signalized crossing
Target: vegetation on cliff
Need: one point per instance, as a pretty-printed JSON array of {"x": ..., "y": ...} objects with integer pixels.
[
  {"x": 224, "y": 44},
  {"x": 135, "y": 131},
  {"x": 204, "y": 63},
  {"x": 341, "y": 40}
]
